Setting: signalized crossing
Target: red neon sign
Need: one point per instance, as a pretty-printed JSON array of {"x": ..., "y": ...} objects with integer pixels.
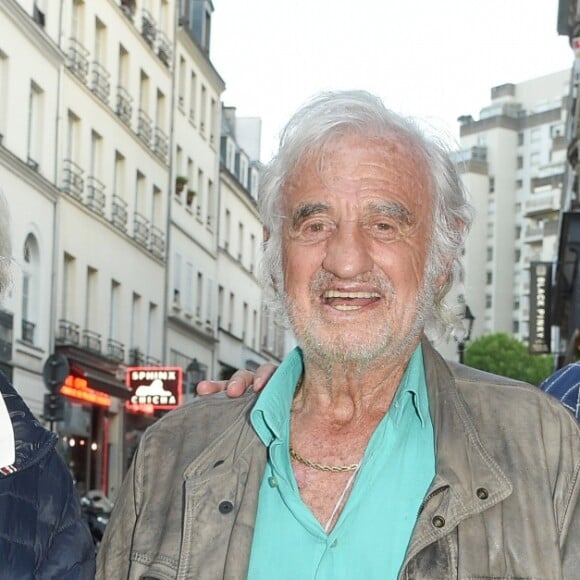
[{"x": 78, "y": 388}]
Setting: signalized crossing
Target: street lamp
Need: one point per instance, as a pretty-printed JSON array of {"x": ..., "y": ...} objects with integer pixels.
[
  {"x": 468, "y": 316},
  {"x": 194, "y": 373}
]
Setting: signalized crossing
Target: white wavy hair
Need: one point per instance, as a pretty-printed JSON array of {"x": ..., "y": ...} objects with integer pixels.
[{"x": 323, "y": 120}]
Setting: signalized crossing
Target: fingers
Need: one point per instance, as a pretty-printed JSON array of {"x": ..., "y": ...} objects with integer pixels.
[
  {"x": 263, "y": 374},
  {"x": 239, "y": 383},
  {"x": 207, "y": 387}
]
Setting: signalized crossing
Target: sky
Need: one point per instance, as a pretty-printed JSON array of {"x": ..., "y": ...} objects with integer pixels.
[{"x": 433, "y": 59}]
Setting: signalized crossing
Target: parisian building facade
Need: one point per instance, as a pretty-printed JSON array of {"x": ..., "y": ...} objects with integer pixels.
[
  {"x": 136, "y": 238},
  {"x": 512, "y": 160}
]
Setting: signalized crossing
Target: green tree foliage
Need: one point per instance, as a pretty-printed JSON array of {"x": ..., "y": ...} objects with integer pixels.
[{"x": 504, "y": 355}]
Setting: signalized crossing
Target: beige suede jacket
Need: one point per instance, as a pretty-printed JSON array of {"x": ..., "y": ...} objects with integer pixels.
[{"x": 504, "y": 502}]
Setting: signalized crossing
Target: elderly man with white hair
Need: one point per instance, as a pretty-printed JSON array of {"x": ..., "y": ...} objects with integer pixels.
[
  {"x": 368, "y": 455},
  {"x": 42, "y": 532}
]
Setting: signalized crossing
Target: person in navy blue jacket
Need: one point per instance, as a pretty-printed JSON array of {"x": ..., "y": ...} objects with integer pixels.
[{"x": 43, "y": 535}]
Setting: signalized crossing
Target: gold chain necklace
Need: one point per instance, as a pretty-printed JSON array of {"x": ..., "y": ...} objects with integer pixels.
[{"x": 321, "y": 466}]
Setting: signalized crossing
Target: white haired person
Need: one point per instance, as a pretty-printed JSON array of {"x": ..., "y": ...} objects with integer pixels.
[
  {"x": 42, "y": 532},
  {"x": 367, "y": 455}
]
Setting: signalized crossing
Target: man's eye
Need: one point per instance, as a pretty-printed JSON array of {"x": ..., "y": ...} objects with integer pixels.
[
  {"x": 315, "y": 227},
  {"x": 384, "y": 226}
]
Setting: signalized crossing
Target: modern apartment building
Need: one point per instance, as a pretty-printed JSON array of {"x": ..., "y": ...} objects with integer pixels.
[
  {"x": 512, "y": 160},
  {"x": 110, "y": 122}
]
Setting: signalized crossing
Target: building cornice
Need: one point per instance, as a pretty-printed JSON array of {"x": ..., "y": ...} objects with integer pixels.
[
  {"x": 34, "y": 33},
  {"x": 16, "y": 166},
  {"x": 185, "y": 39}
]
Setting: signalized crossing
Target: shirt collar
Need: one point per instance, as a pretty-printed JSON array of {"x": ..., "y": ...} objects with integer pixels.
[{"x": 270, "y": 415}]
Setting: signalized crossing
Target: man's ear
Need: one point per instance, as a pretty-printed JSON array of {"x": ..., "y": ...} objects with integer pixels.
[{"x": 265, "y": 234}]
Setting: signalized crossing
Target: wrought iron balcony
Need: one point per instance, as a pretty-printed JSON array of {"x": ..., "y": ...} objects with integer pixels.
[
  {"x": 92, "y": 341},
  {"x": 160, "y": 144},
  {"x": 6, "y": 332},
  {"x": 129, "y": 8},
  {"x": 148, "y": 28},
  {"x": 144, "y": 127},
  {"x": 124, "y": 106},
  {"x": 136, "y": 357},
  {"x": 119, "y": 213},
  {"x": 115, "y": 350},
  {"x": 141, "y": 227},
  {"x": 68, "y": 332},
  {"x": 78, "y": 60},
  {"x": 163, "y": 49},
  {"x": 73, "y": 182},
  {"x": 157, "y": 242},
  {"x": 100, "y": 84},
  {"x": 28, "y": 331},
  {"x": 96, "y": 195}
]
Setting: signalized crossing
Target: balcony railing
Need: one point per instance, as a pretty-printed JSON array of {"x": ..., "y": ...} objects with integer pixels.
[
  {"x": 68, "y": 332},
  {"x": 129, "y": 7},
  {"x": 160, "y": 144},
  {"x": 136, "y": 357},
  {"x": 73, "y": 182},
  {"x": 28, "y": 331},
  {"x": 144, "y": 127},
  {"x": 148, "y": 28},
  {"x": 124, "y": 106},
  {"x": 6, "y": 325},
  {"x": 92, "y": 341},
  {"x": 100, "y": 84},
  {"x": 78, "y": 60},
  {"x": 163, "y": 49},
  {"x": 96, "y": 195},
  {"x": 119, "y": 213},
  {"x": 157, "y": 242},
  {"x": 152, "y": 361},
  {"x": 115, "y": 350},
  {"x": 141, "y": 227}
]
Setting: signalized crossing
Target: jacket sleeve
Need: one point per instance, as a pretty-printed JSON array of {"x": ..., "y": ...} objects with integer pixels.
[
  {"x": 570, "y": 533},
  {"x": 114, "y": 556},
  {"x": 70, "y": 551}
]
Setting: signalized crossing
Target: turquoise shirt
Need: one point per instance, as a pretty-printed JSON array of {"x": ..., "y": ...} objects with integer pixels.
[{"x": 371, "y": 536}]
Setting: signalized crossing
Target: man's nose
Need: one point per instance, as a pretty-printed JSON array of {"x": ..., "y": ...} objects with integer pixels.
[{"x": 347, "y": 252}]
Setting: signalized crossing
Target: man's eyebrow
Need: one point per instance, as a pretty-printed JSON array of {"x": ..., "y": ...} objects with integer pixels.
[
  {"x": 305, "y": 210},
  {"x": 392, "y": 209}
]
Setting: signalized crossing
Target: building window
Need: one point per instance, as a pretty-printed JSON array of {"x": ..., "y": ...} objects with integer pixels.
[
  {"x": 488, "y": 301},
  {"x": 520, "y": 138},
  {"x": 519, "y": 183},
  {"x": 520, "y": 162},
  {"x": 515, "y": 327},
  {"x": 30, "y": 291},
  {"x": 517, "y": 256},
  {"x": 489, "y": 254},
  {"x": 491, "y": 184},
  {"x": 488, "y": 277},
  {"x": 35, "y": 125}
]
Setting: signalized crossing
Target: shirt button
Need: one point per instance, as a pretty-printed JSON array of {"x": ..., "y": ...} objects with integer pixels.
[
  {"x": 273, "y": 481},
  {"x": 334, "y": 544},
  {"x": 438, "y": 521},
  {"x": 226, "y": 507},
  {"x": 482, "y": 493}
]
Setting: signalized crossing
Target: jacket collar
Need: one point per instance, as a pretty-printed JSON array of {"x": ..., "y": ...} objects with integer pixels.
[
  {"x": 468, "y": 479},
  {"x": 31, "y": 440}
]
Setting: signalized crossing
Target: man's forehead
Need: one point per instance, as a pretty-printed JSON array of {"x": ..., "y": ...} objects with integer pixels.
[{"x": 386, "y": 152}]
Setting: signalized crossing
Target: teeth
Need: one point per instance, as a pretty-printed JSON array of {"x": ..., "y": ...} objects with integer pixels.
[
  {"x": 345, "y": 307},
  {"x": 338, "y": 294}
]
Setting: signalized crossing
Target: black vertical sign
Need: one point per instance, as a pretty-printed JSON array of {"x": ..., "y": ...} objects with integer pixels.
[{"x": 540, "y": 299}]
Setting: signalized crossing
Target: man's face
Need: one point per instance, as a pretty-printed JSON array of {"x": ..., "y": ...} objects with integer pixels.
[{"x": 355, "y": 241}]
